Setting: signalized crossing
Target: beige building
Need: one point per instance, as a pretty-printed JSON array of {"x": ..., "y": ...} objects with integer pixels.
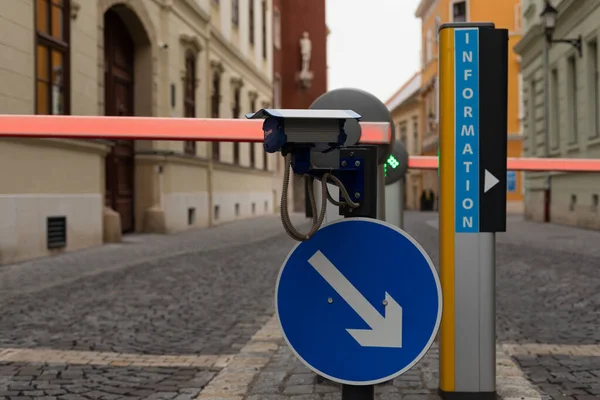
[
  {"x": 574, "y": 105},
  {"x": 405, "y": 106},
  {"x": 167, "y": 58}
]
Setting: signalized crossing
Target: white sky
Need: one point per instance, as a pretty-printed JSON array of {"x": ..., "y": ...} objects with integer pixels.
[{"x": 374, "y": 45}]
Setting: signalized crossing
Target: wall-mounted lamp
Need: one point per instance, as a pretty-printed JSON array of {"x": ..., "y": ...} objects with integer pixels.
[{"x": 548, "y": 18}]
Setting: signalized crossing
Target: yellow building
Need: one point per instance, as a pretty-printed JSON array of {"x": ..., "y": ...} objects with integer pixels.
[
  {"x": 505, "y": 14},
  {"x": 405, "y": 107},
  {"x": 164, "y": 58}
]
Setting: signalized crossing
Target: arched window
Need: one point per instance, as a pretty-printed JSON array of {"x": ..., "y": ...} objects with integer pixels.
[
  {"x": 52, "y": 40},
  {"x": 189, "y": 100},
  {"x": 235, "y": 112},
  {"x": 215, "y": 102}
]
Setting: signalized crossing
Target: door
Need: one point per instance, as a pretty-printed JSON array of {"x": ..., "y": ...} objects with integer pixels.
[{"x": 118, "y": 74}]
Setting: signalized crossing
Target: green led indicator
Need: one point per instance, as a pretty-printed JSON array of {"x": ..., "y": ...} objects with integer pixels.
[
  {"x": 393, "y": 162},
  {"x": 385, "y": 170}
]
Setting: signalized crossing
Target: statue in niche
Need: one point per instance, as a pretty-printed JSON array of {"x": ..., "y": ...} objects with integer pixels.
[{"x": 305, "y": 75}]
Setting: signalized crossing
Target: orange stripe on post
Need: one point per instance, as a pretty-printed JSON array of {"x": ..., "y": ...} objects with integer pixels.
[{"x": 154, "y": 128}]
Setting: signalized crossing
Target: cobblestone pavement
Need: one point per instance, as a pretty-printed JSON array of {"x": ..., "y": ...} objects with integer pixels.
[
  {"x": 548, "y": 301},
  {"x": 156, "y": 317},
  {"x": 190, "y": 316},
  {"x": 266, "y": 369}
]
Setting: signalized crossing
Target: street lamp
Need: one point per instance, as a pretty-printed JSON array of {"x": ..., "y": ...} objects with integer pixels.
[{"x": 548, "y": 20}]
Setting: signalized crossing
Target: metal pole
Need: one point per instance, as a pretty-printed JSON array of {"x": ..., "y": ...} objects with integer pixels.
[
  {"x": 380, "y": 193},
  {"x": 376, "y": 194},
  {"x": 546, "y": 68},
  {"x": 358, "y": 392},
  {"x": 402, "y": 186}
]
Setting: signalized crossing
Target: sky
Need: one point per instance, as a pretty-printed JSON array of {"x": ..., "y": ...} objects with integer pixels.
[{"x": 374, "y": 45}]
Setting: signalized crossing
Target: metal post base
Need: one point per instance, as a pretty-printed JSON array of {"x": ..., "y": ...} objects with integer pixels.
[
  {"x": 468, "y": 395},
  {"x": 358, "y": 392}
]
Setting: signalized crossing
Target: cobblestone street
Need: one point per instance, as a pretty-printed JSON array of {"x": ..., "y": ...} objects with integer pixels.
[
  {"x": 548, "y": 301},
  {"x": 155, "y": 317},
  {"x": 190, "y": 315}
]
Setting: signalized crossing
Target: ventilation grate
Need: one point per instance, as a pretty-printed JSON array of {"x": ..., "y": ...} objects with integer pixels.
[{"x": 56, "y": 232}]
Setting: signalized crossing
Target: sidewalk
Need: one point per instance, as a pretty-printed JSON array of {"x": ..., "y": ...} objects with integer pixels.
[{"x": 266, "y": 369}]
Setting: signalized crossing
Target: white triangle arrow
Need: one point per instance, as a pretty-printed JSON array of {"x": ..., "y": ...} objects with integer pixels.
[{"x": 489, "y": 181}]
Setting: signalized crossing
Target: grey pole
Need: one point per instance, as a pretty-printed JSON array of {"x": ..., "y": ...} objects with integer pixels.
[
  {"x": 394, "y": 203},
  {"x": 380, "y": 193},
  {"x": 401, "y": 204}
]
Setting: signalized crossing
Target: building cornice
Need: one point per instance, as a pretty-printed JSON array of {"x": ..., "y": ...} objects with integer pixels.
[
  {"x": 423, "y": 8},
  {"x": 532, "y": 37},
  {"x": 196, "y": 19},
  {"x": 243, "y": 60},
  {"x": 570, "y": 15},
  {"x": 189, "y": 5}
]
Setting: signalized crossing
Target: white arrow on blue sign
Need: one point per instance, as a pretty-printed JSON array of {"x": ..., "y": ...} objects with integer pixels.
[{"x": 359, "y": 303}]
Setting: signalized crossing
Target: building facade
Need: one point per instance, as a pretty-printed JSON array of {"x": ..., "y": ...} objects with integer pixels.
[
  {"x": 574, "y": 110},
  {"x": 505, "y": 14},
  {"x": 299, "y": 64},
  {"x": 165, "y": 58},
  {"x": 405, "y": 107}
]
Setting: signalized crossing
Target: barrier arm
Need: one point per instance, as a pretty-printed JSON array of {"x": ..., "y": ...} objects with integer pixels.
[
  {"x": 156, "y": 128},
  {"x": 522, "y": 164}
]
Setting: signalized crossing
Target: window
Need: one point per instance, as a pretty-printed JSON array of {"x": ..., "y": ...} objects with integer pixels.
[
  {"x": 264, "y": 29},
  {"x": 251, "y": 21},
  {"x": 235, "y": 12},
  {"x": 531, "y": 125},
  {"x": 277, "y": 91},
  {"x": 189, "y": 99},
  {"x": 572, "y": 98},
  {"x": 403, "y": 134},
  {"x": 52, "y": 57},
  {"x": 459, "y": 11},
  {"x": 215, "y": 103},
  {"x": 555, "y": 110},
  {"x": 277, "y": 29},
  {"x": 235, "y": 112},
  {"x": 252, "y": 145},
  {"x": 265, "y": 160},
  {"x": 522, "y": 109},
  {"x": 518, "y": 13},
  {"x": 594, "y": 87},
  {"x": 428, "y": 46},
  {"x": 436, "y": 94},
  {"x": 415, "y": 136}
]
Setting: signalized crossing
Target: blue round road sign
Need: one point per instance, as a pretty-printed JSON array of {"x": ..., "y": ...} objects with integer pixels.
[{"x": 360, "y": 302}]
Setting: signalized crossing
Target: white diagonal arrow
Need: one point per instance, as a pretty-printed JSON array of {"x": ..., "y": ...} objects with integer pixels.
[
  {"x": 385, "y": 331},
  {"x": 489, "y": 181}
]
